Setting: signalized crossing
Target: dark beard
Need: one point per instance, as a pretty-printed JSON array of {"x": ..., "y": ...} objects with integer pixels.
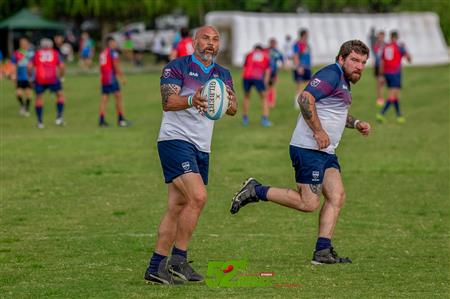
[{"x": 350, "y": 77}]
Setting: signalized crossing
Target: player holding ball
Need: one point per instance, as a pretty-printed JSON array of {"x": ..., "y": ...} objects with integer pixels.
[{"x": 184, "y": 144}]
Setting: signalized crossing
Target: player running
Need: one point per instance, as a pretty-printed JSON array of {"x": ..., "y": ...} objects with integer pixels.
[
  {"x": 49, "y": 71},
  {"x": 324, "y": 105},
  {"x": 302, "y": 63},
  {"x": 20, "y": 59},
  {"x": 391, "y": 67},
  {"x": 256, "y": 72},
  {"x": 275, "y": 57},
  {"x": 184, "y": 144},
  {"x": 109, "y": 72}
]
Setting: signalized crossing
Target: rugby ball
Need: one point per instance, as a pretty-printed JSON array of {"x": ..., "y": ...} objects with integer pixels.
[{"x": 216, "y": 95}]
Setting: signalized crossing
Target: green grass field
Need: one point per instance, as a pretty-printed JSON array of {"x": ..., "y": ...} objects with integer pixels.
[{"x": 80, "y": 205}]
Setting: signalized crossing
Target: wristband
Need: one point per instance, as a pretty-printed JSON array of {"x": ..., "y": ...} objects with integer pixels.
[
  {"x": 356, "y": 122},
  {"x": 189, "y": 99}
]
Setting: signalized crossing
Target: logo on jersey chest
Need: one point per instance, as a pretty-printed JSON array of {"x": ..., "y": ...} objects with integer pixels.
[
  {"x": 193, "y": 74},
  {"x": 345, "y": 87},
  {"x": 166, "y": 73},
  {"x": 215, "y": 75}
]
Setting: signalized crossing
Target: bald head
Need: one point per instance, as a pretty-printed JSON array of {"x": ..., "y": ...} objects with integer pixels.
[{"x": 207, "y": 29}]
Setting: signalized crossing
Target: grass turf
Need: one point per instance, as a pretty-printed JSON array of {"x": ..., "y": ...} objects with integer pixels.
[{"x": 80, "y": 205}]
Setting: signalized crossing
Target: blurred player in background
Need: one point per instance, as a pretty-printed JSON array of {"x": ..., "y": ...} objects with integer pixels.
[
  {"x": 110, "y": 72},
  {"x": 256, "y": 72},
  {"x": 391, "y": 67},
  {"x": 302, "y": 63},
  {"x": 20, "y": 59},
  {"x": 377, "y": 49},
  {"x": 184, "y": 46},
  {"x": 288, "y": 48},
  {"x": 86, "y": 50},
  {"x": 49, "y": 70},
  {"x": 184, "y": 145},
  {"x": 324, "y": 108},
  {"x": 275, "y": 58}
]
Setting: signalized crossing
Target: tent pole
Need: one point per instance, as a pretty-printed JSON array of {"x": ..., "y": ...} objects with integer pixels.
[{"x": 10, "y": 41}]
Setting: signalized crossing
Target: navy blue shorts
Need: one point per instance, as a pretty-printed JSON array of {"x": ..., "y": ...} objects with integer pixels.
[
  {"x": 259, "y": 85},
  {"x": 393, "y": 80},
  {"x": 179, "y": 157},
  {"x": 40, "y": 88},
  {"x": 305, "y": 77},
  {"x": 112, "y": 88},
  {"x": 23, "y": 84},
  {"x": 310, "y": 165}
]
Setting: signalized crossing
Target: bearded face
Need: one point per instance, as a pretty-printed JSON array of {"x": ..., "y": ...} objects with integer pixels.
[
  {"x": 353, "y": 66},
  {"x": 206, "y": 44}
]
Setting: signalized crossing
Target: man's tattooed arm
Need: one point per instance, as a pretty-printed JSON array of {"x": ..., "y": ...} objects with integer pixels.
[
  {"x": 351, "y": 122},
  {"x": 168, "y": 90},
  {"x": 308, "y": 109}
]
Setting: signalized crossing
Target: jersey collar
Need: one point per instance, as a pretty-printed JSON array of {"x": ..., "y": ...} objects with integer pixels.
[
  {"x": 340, "y": 68},
  {"x": 201, "y": 65}
]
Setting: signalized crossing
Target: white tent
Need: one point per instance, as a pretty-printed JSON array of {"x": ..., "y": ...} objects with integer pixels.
[{"x": 420, "y": 32}]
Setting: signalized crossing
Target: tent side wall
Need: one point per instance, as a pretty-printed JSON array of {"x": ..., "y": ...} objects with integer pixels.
[{"x": 419, "y": 31}]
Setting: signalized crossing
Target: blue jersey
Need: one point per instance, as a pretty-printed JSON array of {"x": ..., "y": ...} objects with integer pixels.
[
  {"x": 331, "y": 90},
  {"x": 189, "y": 125},
  {"x": 303, "y": 51},
  {"x": 275, "y": 56},
  {"x": 21, "y": 58}
]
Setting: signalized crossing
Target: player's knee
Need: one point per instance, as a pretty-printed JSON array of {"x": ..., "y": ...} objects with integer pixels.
[
  {"x": 338, "y": 199},
  {"x": 199, "y": 199},
  {"x": 311, "y": 205}
]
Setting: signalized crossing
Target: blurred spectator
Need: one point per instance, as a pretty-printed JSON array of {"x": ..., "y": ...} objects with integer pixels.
[
  {"x": 391, "y": 67},
  {"x": 377, "y": 49},
  {"x": 288, "y": 50},
  {"x": 160, "y": 48},
  {"x": 20, "y": 59},
  {"x": 64, "y": 48},
  {"x": 184, "y": 47},
  {"x": 128, "y": 46},
  {"x": 86, "y": 50},
  {"x": 276, "y": 58},
  {"x": 256, "y": 72},
  {"x": 302, "y": 63}
]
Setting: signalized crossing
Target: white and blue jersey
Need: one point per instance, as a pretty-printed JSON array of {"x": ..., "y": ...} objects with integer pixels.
[
  {"x": 333, "y": 99},
  {"x": 21, "y": 58},
  {"x": 188, "y": 124}
]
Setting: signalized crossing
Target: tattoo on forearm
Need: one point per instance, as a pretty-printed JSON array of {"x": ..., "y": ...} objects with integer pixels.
[
  {"x": 167, "y": 90},
  {"x": 316, "y": 188},
  {"x": 350, "y": 123},
  {"x": 305, "y": 106}
]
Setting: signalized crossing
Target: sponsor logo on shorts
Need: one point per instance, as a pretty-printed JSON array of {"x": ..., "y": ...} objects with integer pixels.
[
  {"x": 186, "y": 166},
  {"x": 166, "y": 73},
  {"x": 315, "y": 82},
  {"x": 315, "y": 175}
]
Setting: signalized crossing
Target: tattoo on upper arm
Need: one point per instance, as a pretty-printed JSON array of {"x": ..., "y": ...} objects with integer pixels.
[
  {"x": 305, "y": 106},
  {"x": 316, "y": 188},
  {"x": 167, "y": 90},
  {"x": 350, "y": 123}
]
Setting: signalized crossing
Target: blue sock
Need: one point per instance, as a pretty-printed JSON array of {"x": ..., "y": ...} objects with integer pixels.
[
  {"x": 397, "y": 107},
  {"x": 155, "y": 261},
  {"x": 177, "y": 251},
  {"x": 261, "y": 191},
  {"x": 59, "y": 109},
  {"x": 386, "y": 106},
  {"x": 102, "y": 119},
  {"x": 120, "y": 117},
  {"x": 39, "y": 113},
  {"x": 323, "y": 243}
]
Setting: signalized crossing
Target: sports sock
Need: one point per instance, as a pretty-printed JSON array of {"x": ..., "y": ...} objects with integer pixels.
[
  {"x": 19, "y": 98},
  {"x": 120, "y": 117},
  {"x": 101, "y": 119},
  {"x": 245, "y": 117},
  {"x": 387, "y": 104},
  {"x": 59, "y": 108},
  {"x": 261, "y": 191},
  {"x": 27, "y": 104},
  {"x": 397, "y": 107},
  {"x": 323, "y": 243},
  {"x": 155, "y": 261},
  {"x": 177, "y": 251},
  {"x": 39, "y": 110}
]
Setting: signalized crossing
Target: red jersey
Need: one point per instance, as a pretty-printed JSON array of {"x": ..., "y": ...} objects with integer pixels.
[
  {"x": 46, "y": 62},
  {"x": 256, "y": 64},
  {"x": 392, "y": 58},
  {"x": 185, "y": 47},
  {"x": 107, "y": 70}
]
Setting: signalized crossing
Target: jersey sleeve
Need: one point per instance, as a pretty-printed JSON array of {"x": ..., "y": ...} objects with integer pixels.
[
  {"x": 323, "y": 84},
  {"x": 228, "y": 80},
  {"x": 402, "y": 50},
  {"x": 172, "y": 74},
  {"x": 296, "y": 48},
  {"x": 14, "y": 58}
]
